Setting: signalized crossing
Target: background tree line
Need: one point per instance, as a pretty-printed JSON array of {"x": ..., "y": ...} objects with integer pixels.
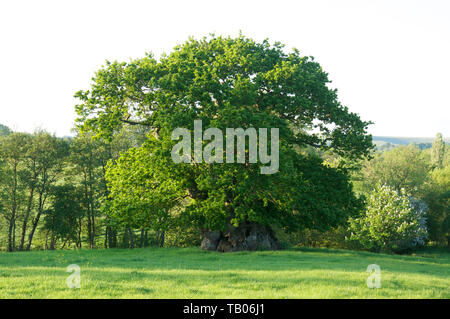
[
  {"x": 53, "y": 193},
  {"x": 417, "y": 176},
  {"x": 52, "y": 190}
]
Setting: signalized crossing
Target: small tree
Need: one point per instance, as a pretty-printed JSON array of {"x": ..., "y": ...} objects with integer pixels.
[
  {"x": 12, "y": 149},
  {"x": 402, "y": 167},
  {"x": 62, "y": 217},
  {"x": 393, "y": 222},
  {"x": 438, "y": 151},
  {"x": 437, "y": 197}
]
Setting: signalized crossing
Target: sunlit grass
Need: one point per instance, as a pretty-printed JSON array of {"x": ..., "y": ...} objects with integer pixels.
[{"x": 192, "y": 273}]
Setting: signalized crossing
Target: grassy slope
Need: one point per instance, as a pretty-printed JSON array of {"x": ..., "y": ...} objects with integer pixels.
[{"x": 192, "y": 273}]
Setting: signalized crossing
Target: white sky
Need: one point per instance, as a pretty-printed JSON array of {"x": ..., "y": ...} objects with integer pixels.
[{"x": 390, "y": 60}]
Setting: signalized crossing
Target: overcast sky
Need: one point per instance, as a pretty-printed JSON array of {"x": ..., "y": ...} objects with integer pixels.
[{"x": 390, "y": 60}]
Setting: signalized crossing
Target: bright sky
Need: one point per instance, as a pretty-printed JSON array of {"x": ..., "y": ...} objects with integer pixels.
[{"x": 390, "y": 60}]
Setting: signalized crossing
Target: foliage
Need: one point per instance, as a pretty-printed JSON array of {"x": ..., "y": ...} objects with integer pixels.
[
  {"x": 438, "y": 151},
  {"x": 13, "y": 148},
  {"x": 62, "y": 217},
  {"x": 334, "y": 238},
  {"x": 390, "y": 223},
  {"x": 437, "y": 197},
  {"x": 402, "y": 167},
  {"x": 114, "y": 184},
  {"x": 226, "y": 82},
  {"x": 4, "y": 130},
  {"x": 140, "y": 196},
  {"x": 31, "y": 165},
  {"x": 183, "y": 235}
]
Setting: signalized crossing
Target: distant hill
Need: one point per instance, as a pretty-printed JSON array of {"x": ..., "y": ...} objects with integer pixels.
[
  {"x": 4, "y": 130},
  {"x": 388, "y": 142}
]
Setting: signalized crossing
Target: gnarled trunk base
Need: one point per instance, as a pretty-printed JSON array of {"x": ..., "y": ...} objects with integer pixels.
[{"x": 249, "y": 236}]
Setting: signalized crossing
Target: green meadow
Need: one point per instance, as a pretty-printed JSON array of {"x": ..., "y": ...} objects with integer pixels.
[{"x": 193, "y": 273}]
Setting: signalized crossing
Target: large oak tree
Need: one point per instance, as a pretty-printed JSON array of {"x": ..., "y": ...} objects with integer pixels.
[{"x": 226, "y": 83}]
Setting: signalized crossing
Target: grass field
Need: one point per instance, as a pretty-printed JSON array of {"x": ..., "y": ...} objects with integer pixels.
[{"x": 192, "y": 273}]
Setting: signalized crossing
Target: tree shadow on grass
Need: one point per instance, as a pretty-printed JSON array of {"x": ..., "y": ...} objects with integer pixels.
[
  {"x": 298, "y": 259},
  {"x": 112, "y": 283}
]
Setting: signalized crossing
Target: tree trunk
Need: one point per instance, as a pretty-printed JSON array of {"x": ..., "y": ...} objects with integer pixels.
[
  {"x": 14, "y": 236},
  {"x": 80, "y": 230},
  {"x": 106, "y": 238},
  {"x": 247, "y": 236},
  {"x": 91, "y": 205},
  {"x": 93, "y": 231},
  {"x": 52, "y": 241},
  {"x": 10, "y": 235},
  {"x": 142, "y": 238},
  {"x": 46, "y": 240},
  {"x": 64, "y": 244},
  {"x": 35, "y": 224},
  {"x": 146, "y": 238},
  {"x": 112, "y": 237},
  {"x": 25, "y": 221},
  {"x": 130, "y": 231},
  {"x": 162, "y": 238},
  {"x": 12, "y": 220},
  {"x": 89, "y": 229}
]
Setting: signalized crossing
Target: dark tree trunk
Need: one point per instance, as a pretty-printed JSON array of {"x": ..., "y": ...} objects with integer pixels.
[
  {"x": 46, "y": 241},
  {"x": 12, "y": 220},
  {"x": 248, "y": 236},
  {"x": 130, "y": 231},
  {"x": 93, "y": 231},
  {"x": 142, "y": 238},
  {"x": 64, "y": 244},
  {"x": 146, "y": 238},
  {"x": 90, "y": 228},
  {"x": 52, "y": 241},
  {"x": 14, "y": 236},
  {"x": 36, "y": 220},
  {"x": 25, "y": 220},
  {"x": 80, "y": 229},
  {"x": 109, "y": 233},
  {"x": 112, "y": 238},
  {"x": 11, "y": 235},
  {"x": 106, "y": 238},
  {"x": 162, "y": 238},
  {"x": 33, "y": 229}
]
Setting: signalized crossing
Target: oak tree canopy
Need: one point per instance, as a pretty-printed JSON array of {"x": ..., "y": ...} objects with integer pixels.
[{"x": 227, "y": 83}]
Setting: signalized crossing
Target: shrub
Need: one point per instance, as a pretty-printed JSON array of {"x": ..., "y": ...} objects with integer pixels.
[
  {"x": 333, "y": 238},
  {"x": 437, "y": 197},
  {"x": 183, "y": 236},
  {"x": 393, "y": 222}
]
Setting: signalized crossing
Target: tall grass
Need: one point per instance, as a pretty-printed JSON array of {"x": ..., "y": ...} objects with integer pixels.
[{"x": 192, "y": 273}]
